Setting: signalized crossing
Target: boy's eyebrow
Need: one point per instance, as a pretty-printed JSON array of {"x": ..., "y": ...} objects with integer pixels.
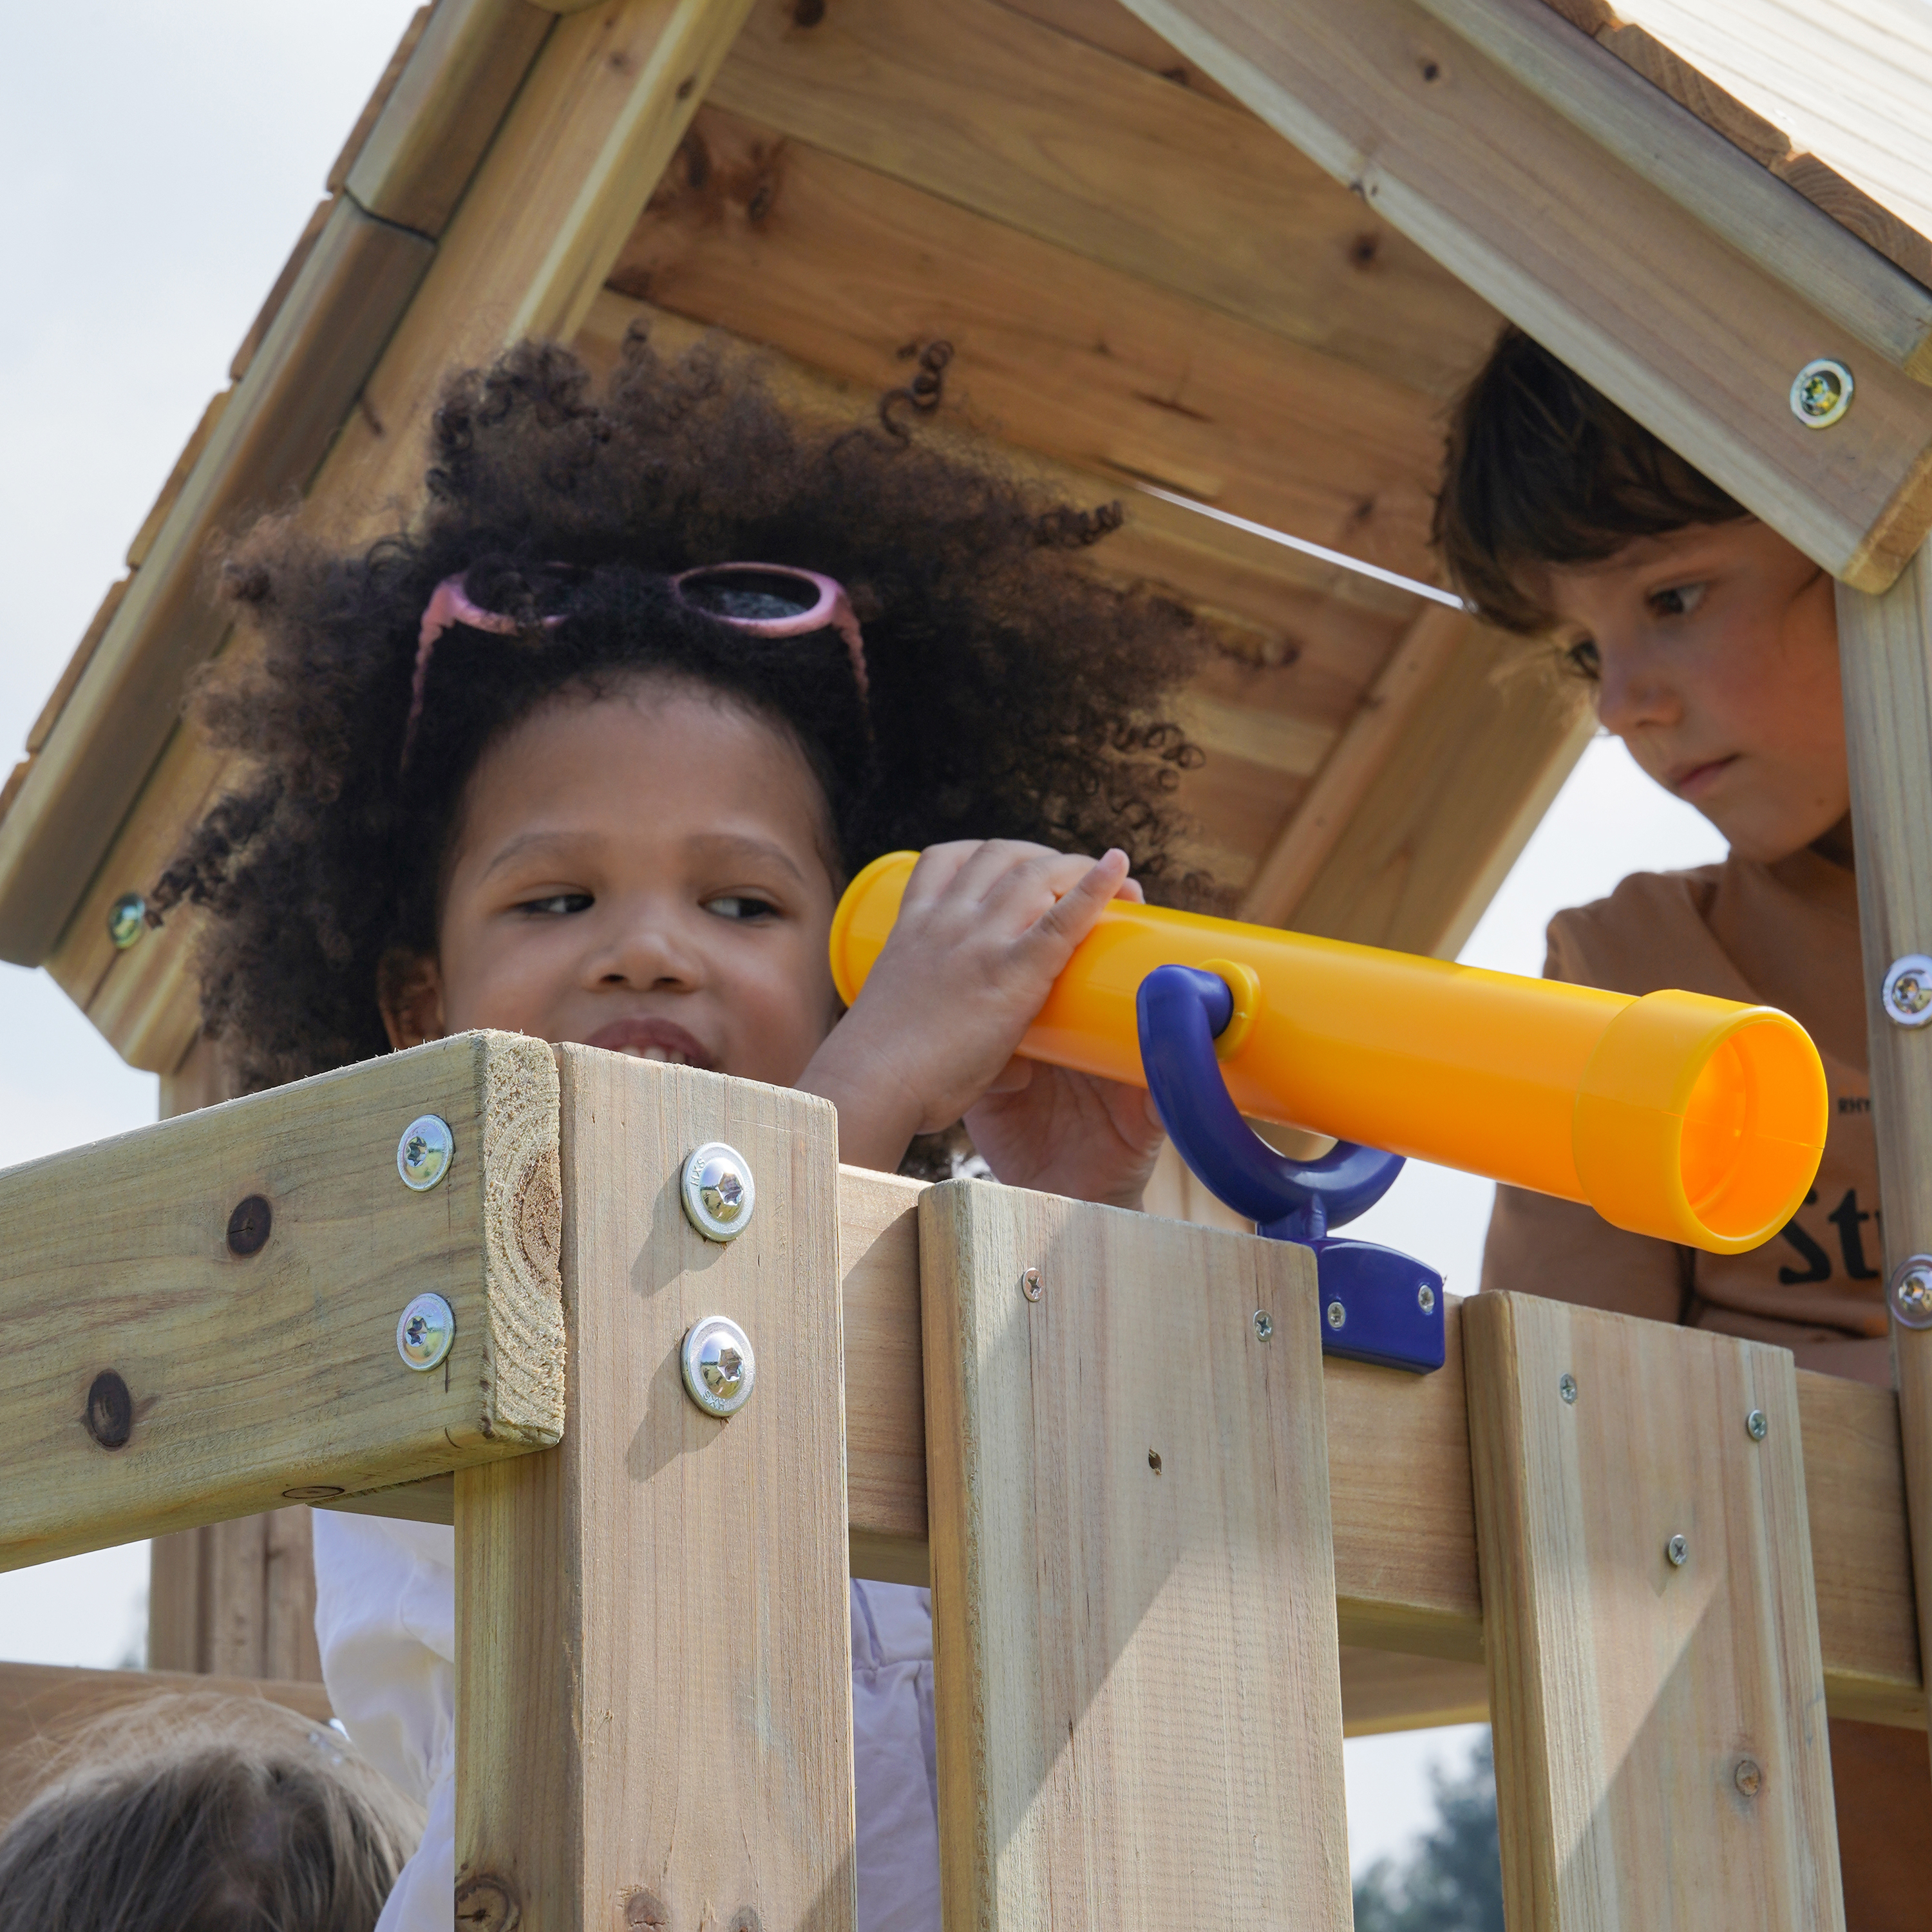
[
  {"x": 717, "y": 847},
  {"x": 525, "y": 843}
]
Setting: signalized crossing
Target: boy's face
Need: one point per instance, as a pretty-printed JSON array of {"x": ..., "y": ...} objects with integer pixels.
[
  {"x": 644, "y": 873},
  {"x": 1715, "y": 649}
]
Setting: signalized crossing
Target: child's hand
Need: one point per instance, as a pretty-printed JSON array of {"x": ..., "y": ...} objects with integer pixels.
[{"x": 982, "y": 935}]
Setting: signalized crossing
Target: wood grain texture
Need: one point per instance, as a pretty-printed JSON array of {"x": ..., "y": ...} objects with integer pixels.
[
  {"x": 236, "y": 1599},
  {"x": 654, "y": 1716},
  {"x": 245, "y": 1381},
  {"x": 1636, "y": 294},
  {"x": 1661, "y": 1746},
  {"x": 1885, "y": 653},
  {"x": 1139, "y": 1709},
  {"x": 1382, "y": 1690},
  {"x": 1074, "y": 146}
]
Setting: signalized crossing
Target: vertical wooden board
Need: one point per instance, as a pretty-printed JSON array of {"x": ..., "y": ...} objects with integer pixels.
[
  {"x": 654, "y": 1719},
  {"x": 1139, "y": 1702},
  {"x": 1634, "y": 1699}
]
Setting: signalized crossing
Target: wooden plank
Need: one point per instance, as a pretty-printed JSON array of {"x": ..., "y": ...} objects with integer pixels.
[
  {"x": 1383, "y": 1690},
  {"x": 154, "y": 1379},
  {"x": 654, "y": 1674},
  {"x": 841, "y": 267},
  {"x": 41, "y": 1703},
  {"x": 1106, "y": 23},
  {"x": 1063, "y": 142},
  {"x": 1719, "y": 171},
  {"x": 57, "y": 698},
  {"x": 1661, "y": 1747},
  {"x": 1696, "y": 341},
  {"x": 1885, "y": 649},
  {"x": 269, "y": 440},
  {"x": 1138, "y": 1699}
]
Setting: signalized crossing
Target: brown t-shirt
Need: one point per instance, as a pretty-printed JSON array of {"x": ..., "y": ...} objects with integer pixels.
[{"x": 1785, "y": 935}]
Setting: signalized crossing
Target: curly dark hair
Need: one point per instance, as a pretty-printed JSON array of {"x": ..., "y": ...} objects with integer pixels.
[
  {"x": 1012, "y": 694},
  {"x": 1543, "y": 468}
]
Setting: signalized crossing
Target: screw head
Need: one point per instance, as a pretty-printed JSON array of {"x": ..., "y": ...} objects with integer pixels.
[
  {"x": 1425, "y": 1298},
  {"x": 718, "y": 1192},
  {"x": 248, "y": 1226},
  {"x": 127, "y": 921},
  {"x": 1264, "y": 1324},
  {"x": 1906, "y": 995},
  {"x": 1679, "y": 1551},
  {"x": 1909, "y": 1291},
  {"x": 1757, "y": 1425},
  {"x": 1337, "y": 1314},
  {"x": 1031, "y": 1286},
  {"x": 1566, "y": 1386},
  {"x": 424, "y": 1152},
  {"x": 425, "y": 1331},
  {"x": 1748, "y": 1776},
  {"x": 1821, "y": 392},
  {"x": 718, "y": 1366}
]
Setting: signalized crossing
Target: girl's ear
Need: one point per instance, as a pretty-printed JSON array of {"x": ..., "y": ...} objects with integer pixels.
[{"x": 409, "y": 989}]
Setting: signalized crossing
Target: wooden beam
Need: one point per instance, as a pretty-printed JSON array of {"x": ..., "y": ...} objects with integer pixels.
[
  {"x": 1696, "y": 341},
  {"x": 1656, "y": 1689},
  {"x": 1139, "y": 1714},
  {"x": 157, "y": 1373},
  {"x": 235, "y": 1599},
  {"x": 654, "y": 1647},
  {"x": 1886, "y": 649},
  {"x": 1382, "y": 1690},
  {"x": 1051, "y": 136}
]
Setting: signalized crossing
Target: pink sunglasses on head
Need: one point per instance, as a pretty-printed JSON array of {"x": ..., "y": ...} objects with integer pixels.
[{"x": 767, "y": 600}]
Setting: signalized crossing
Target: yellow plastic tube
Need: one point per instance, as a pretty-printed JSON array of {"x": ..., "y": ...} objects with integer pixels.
[{"x": 1695, "y": 1119}]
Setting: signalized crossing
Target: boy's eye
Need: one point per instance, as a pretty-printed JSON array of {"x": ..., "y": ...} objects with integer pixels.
[
  {"x": 557, "y": 904},
  {"x": 741, "y": 905},
  {"x": 1679, "y": 601},
  {"x": 1582, "y": 658}
]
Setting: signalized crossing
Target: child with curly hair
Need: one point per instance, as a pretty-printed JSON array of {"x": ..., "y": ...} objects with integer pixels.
[{"x": 588, "y": 752}]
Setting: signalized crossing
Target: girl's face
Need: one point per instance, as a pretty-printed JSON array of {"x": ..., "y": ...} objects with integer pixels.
[
  {"x": 643, "y": 872},
  {"x": 1716, "y": 651}
]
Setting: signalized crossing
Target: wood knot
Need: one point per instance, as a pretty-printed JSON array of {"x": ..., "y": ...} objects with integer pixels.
[
  {"x": 110, "y": 1411},
  {"x": 248, "y": 1226},
  {"x": 746, "y": 1919},
  {"x": 1364, "y": 249},
  {"x": 807, "y": 12},
  {"x": 644, "y": 1909},
  {"x": 488, "y": 1903}
]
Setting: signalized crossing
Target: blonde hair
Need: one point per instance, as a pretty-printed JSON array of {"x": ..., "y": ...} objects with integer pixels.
[{"x": 193, "y": 1812}]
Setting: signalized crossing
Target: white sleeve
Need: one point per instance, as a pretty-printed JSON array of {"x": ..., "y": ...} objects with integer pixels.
[{"x": 386, "y": 1624}]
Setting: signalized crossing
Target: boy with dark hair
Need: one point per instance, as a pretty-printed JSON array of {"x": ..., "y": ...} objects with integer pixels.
[{"x": 1710, "y": 646}]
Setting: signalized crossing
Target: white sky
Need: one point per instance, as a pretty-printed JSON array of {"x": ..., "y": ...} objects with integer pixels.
[{"x": 159, "y": 162}]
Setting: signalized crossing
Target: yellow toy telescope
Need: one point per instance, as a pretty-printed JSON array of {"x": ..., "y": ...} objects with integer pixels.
[{"x": 1694, "y": 1120}]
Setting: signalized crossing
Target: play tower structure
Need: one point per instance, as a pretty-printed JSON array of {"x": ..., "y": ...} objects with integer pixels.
[{"x": 1224, "y": 259}]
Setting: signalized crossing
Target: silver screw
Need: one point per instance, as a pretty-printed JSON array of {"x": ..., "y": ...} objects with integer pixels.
[
  {"x": 1678, "y": 1550},
  {"x": 1264, "y": 1323},
  {"x": 424, "y": 1152},
  {"x": 718, "y": 1366},
  {"x": 1748, "y": 1776},
  {"x": 1566, "y": 1386},
  {"x": 1337, "y": 1315},
  {"x": 1821, "y": 392},
  {"x": 127, "y": 920},
  {"x": 1425, "y": 1298},
  {"x": 718, "y": 1192},
  {"x": 1909, "y": 1291},
  {"x": 1756, "y": 1426},
  {"x": 1031, "y": 1286},
  {"x": 1906, "y": 995},
  {"x": 425, "y": 1331}
]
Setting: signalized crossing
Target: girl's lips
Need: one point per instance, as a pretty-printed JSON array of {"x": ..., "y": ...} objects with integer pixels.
[
  {"x": 651, "y": 1040},
  {"x": 1691, "y": 779}
]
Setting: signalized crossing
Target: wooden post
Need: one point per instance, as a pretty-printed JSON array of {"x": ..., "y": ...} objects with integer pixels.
[
  {"x": 654, "y": 1717},
  {"x": 1139, "y": 1703},
  {"x": 1885, "y": 647},
  {"x": 1658, "y": 1704}
]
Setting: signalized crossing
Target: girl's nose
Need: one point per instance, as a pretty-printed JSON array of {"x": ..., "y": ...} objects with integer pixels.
[
  {"x": 647, "y": 949},
  {"x": 1633, "y": 688}
]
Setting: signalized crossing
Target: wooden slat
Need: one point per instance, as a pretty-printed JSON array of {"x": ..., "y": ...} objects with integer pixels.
[
  {"x": 1051, "y": 136},
  {"x": 654, "y": 1716},
  {"x": 842, "y": 268},
  {"x": 269, "y": 440},
  {"x": 57, "y": 698},
  {"x": 1694, "y": 339},
  {"x": 1660, "y": 1739},
  {"x": 1885, "y": 649},
  {"x": 1139, "y": 1712},
  {"x": 1383, "y": 1690},
  {"x": 1609, "y": 88},
  {"x": 235, "y": 1383}
]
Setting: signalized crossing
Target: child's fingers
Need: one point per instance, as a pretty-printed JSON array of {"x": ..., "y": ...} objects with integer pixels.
[
  {"x": 1015, "y": 1077},
  {"x": 934, "y": 876},
  {"x": 1061, "y": 928}
]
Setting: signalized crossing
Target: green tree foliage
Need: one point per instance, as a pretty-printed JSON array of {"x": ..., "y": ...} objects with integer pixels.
[{"x": 1453, "y": 1881}]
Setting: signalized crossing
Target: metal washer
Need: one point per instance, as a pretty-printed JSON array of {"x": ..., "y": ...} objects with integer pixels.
[
  {"x": 718, "y": 1366},
  {"x": 717, "y": 1191},
  {"x": 1907, "y": 995},
  {"x": 424, "y": 1152},
  {"x": 425, "y": 1331}
]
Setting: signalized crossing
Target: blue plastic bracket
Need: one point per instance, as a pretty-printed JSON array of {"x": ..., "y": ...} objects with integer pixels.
[{"x": 1377, "y": 1305}]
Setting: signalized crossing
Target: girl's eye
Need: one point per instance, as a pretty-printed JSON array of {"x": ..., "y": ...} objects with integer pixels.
[
  {"x": 557, "y": 904},
  {"x": 1583, "y": 660},
  {"x": 1679, "y": 601},
  {"x": 741, "y": 905}
]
